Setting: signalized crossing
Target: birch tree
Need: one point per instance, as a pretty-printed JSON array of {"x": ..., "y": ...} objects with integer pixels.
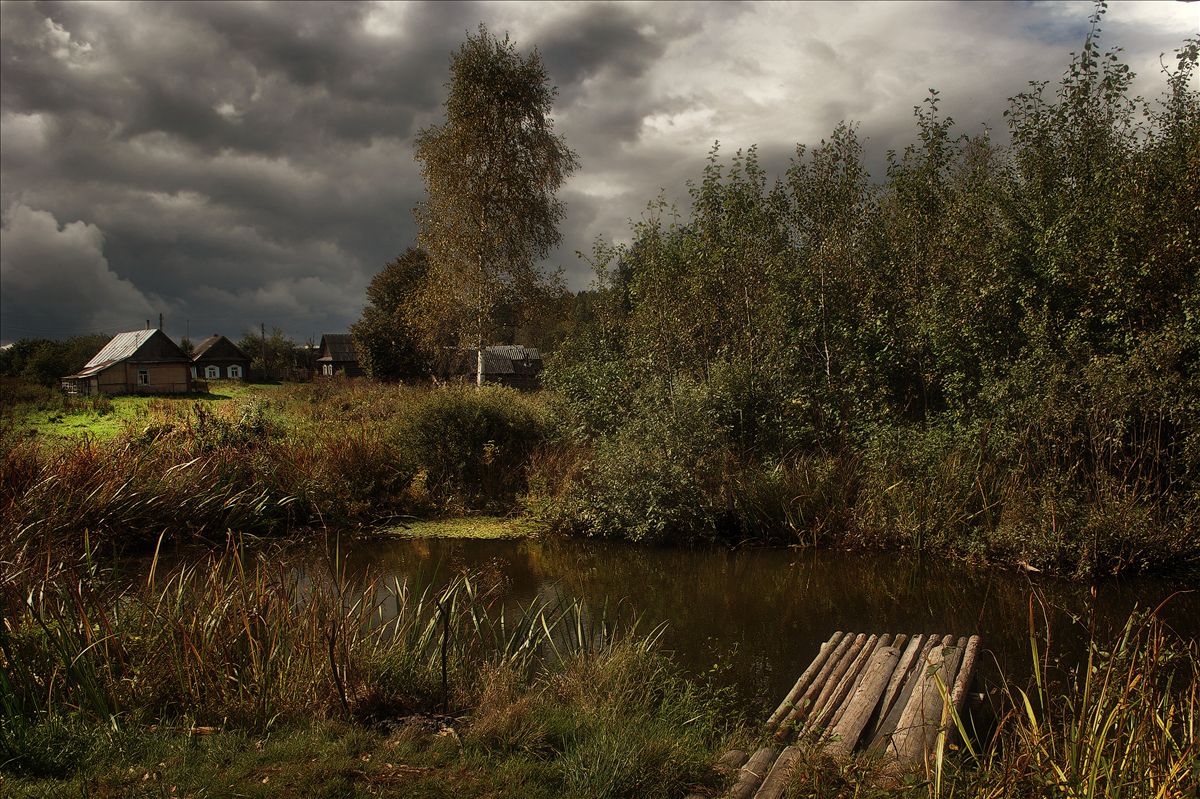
[{"x": 492, "y": 171}]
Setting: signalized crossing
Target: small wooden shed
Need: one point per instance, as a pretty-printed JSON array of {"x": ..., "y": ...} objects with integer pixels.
[
  {"x": 512, "y": 365},
  {"x": 140, "y": 361},
  {"x": 218, "y": 358},
  {"x": 338, "y": 356}
]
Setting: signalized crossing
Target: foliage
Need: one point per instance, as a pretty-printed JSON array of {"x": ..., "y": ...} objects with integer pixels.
[
  {"x": 995, "y": 348},
  {"x": 491, "y": 170},
  {"x": 44, "y": 361},
  {"x": 270, "y": 356},
  {"x": 385, "y": 337}
]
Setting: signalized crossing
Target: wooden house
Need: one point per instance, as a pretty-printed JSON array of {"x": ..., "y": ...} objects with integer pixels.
[
  {"x": 218, "y": 358},
  {"x": 141, "y": 361},
  {"x": 511, "y": 365},
  {"x": 338, "y": 356}
]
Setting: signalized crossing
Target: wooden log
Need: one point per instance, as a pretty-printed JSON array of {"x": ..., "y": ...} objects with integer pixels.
[
  {"x": 802, "y": 682},
  {"x": 751, "y": 775},
  {"x": 802, "y": 707},
  {"x": 962, "y": 682},
  {"x": 887, "y": 725},
  {"x": 926, "y": 711},
  {"x": 859, "y": 670},
  {"x": 898, "y": 676},
  {"x": 831, "y": 683},
  {"x": 776, "y": 783},
  {"x": 731, "y": 761},
  {"x": 965, "y": 672},
  {"x": 848, "y": 729}
]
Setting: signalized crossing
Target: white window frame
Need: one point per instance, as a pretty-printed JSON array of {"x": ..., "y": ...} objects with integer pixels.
[
  {"x": 212, "y": 372},
  {"x": 235, "y": 371}
]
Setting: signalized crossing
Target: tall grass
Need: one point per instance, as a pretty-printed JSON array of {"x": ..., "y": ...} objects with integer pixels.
[
  {"x": 309, "y": 456},
  {"x": 1122, "y": 724},
  {"x": 239, "y": 641}
]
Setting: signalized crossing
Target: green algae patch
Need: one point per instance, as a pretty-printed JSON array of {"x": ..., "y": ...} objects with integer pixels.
[{"x": 491, "y": 527}]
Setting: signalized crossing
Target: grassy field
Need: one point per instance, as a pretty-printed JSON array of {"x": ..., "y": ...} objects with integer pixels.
[{"x": 104, "y": 418}]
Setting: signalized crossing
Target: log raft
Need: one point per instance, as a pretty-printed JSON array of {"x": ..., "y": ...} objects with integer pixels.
[{"x": 898, "y": 694}]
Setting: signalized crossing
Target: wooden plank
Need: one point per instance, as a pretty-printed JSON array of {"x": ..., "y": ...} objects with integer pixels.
[
  {"x": 776, "y": 783},
  {"x": 887, "y": 725},
  {"x": 751, "y": 775},
  {"x": 847, "y": 730},
  {"x": 789, "y": 701},
  {"x": 802, "y": 707},
  {"x": 832, "y": 682},
  {"x": 859, "y": 671},
  {"x": 925, "y": 712}
]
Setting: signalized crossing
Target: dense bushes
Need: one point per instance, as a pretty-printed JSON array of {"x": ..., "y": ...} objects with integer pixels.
[{"x": 994, "y": 349}]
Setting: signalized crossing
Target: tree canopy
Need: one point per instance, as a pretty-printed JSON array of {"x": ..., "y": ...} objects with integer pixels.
[
  {"x": 492, "y": 171},
  {"x": 385, "y": 337}
]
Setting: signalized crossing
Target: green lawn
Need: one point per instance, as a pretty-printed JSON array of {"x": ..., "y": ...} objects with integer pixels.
[{"x": 107, "y": 417}]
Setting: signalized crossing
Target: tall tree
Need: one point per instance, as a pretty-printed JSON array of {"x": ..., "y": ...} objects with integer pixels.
[
  {"x": 492, "y": 171},
  {"x": 384, "y": 337}
]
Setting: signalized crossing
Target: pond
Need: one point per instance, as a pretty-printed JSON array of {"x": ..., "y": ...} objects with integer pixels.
[{"x": 753, "y": 619}]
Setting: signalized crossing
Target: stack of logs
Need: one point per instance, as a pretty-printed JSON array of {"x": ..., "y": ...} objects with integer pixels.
[{"x": 894, "y": 694}]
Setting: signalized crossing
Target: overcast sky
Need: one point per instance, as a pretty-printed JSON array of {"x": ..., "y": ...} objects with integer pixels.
[{"x": 231, "y": 164}]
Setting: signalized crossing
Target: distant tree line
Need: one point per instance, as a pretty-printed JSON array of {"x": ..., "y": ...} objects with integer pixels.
[{"x": 44, "y": 361}]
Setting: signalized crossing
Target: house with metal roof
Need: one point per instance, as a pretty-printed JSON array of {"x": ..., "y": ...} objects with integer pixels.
[
  {"x": 338, "y": 356},
  {"x": 218, "y": 358},
  {"x": 140, "y": 361},
  {"x": 511, "y": 365}
]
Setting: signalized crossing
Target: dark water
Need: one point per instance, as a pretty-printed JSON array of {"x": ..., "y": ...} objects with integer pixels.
[{"x": 754, "y": 619}]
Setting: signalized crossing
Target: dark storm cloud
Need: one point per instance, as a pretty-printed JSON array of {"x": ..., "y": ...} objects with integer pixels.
[{"x": 237, "y": 163}]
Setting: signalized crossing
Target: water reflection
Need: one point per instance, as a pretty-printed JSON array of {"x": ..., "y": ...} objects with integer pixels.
[{"x": 754, "y": 619}]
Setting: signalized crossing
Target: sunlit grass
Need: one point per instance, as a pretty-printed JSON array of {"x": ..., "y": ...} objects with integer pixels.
[{"x": 489, "y": 527}]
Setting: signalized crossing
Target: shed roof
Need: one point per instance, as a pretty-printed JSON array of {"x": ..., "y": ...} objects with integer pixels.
[
  {"x": 337, "y": 347},
  {"x": 125, "y": 345},
  {"x": 498, "y": 359},
  {"x": 231, "y": 350},
  {"x": 120, "y": 347}
]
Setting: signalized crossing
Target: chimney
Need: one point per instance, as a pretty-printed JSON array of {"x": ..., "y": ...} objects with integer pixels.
[
  {"x": 147, "y": 324},
  {"x": 160, "y": 321}
]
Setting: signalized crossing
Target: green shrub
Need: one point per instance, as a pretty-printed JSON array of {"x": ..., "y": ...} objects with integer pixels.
[{"x": 473, "y": 445}]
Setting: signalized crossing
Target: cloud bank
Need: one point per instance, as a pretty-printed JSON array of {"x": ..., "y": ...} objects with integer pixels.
[{"x": 228, "y": 164}]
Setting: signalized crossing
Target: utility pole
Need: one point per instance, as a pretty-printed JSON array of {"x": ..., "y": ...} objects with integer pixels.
[
  {"x": 160, "y": 321},
  {"x": 262, "y": 328}
]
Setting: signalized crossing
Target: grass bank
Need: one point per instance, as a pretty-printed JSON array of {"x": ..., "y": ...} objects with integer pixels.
[
  {"x": 238, "y": 676},
  {"x": 265, "y": 461},
  {"x": 242, "y": 676}
]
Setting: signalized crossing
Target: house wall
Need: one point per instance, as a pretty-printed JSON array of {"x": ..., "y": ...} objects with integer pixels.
[
  {"x": 223, "y": 364},
  {"x": 165, "y": 378}
]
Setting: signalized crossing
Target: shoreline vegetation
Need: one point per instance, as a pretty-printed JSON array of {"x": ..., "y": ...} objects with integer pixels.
[
  {"x": 375, "y": 459},
  {"x": 238, "y": 675}
]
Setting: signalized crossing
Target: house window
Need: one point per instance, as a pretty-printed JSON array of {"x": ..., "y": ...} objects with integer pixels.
[
  {"x": 327, "y": 369},
  {"x": 212, "y": 372},
  {"x": 235, "y": 371},
  {"x": 143, "y": 377}
]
